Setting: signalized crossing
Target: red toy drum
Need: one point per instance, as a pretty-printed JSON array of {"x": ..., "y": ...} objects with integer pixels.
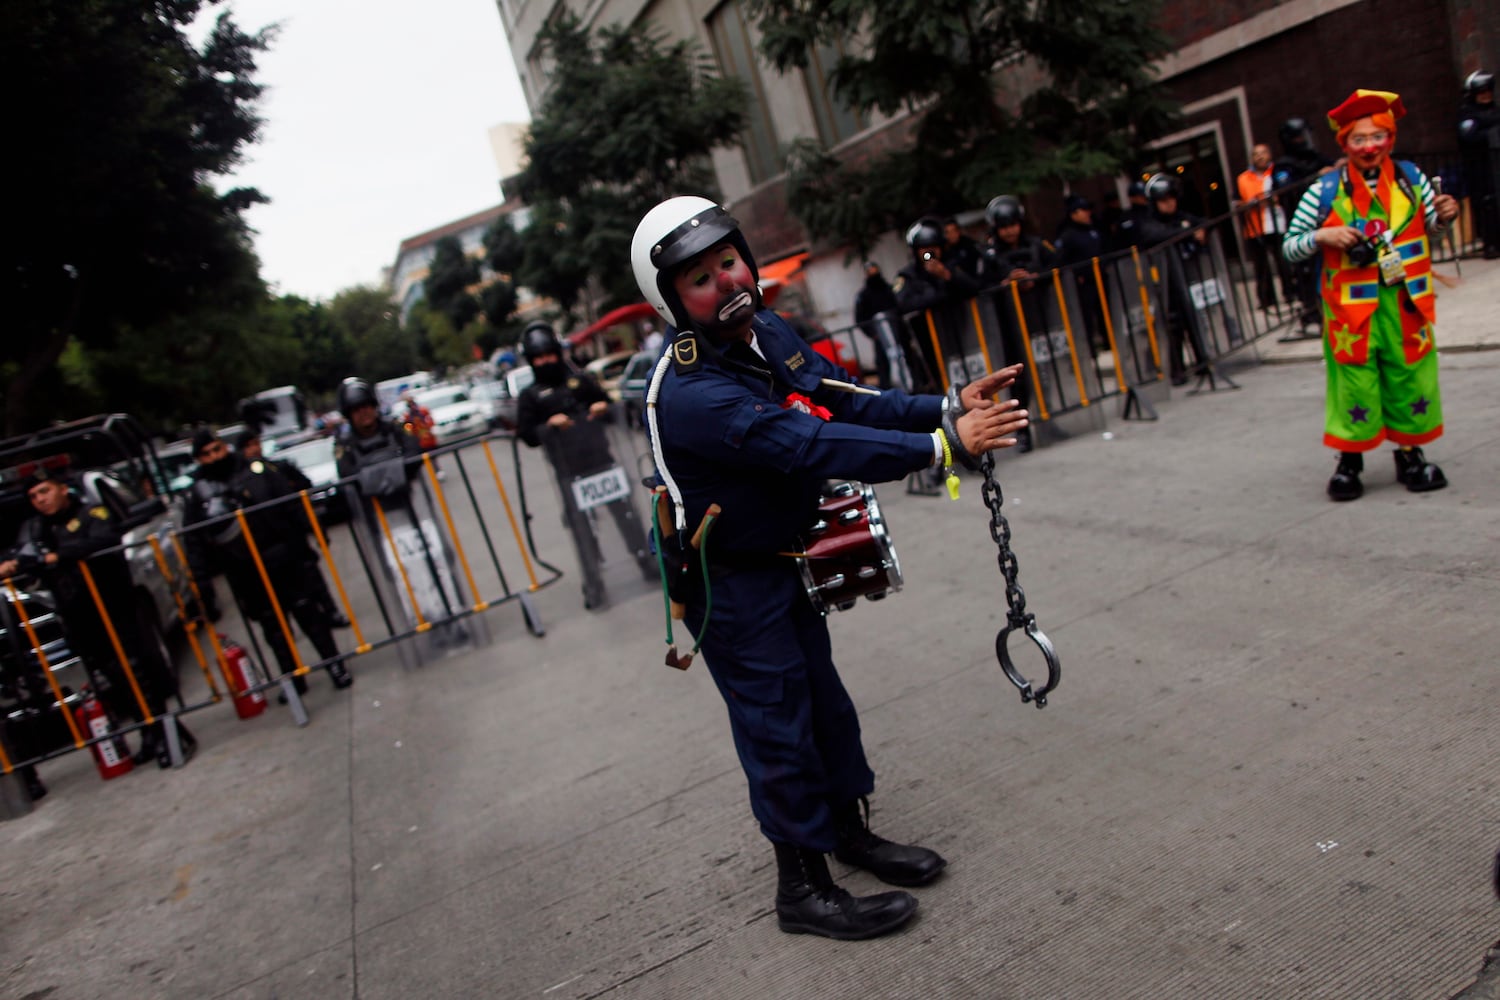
[{"x": 849, "y": 553}]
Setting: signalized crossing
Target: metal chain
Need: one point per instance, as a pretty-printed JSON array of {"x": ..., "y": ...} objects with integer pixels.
[
  {"x": 1015, "y": 597},
  {"x": 1017, "y": 617}
]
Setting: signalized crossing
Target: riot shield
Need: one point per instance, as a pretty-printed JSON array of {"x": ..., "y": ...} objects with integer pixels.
[
  {"x": 417, "y": 584},
  {"x": 591, "y": 482}
]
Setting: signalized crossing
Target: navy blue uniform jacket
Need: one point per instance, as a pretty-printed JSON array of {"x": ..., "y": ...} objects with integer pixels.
[{"x": 726, "y": 439}]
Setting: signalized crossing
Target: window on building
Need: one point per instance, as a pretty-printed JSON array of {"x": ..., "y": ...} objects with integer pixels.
[
  {"x": 836, "y": 120},
  {"x": 736, "y": 56}
]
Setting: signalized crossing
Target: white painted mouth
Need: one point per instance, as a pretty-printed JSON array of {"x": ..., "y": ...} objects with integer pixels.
[{"x": 737, "y": 303}]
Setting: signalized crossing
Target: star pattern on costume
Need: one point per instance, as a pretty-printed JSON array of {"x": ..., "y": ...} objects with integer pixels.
[
  {"x": 1423, "y": 337},
  {"x": 1344, "y": 340},
  {"x": 1419, "y": 408},
  {"x": 1358, "y": 414}
]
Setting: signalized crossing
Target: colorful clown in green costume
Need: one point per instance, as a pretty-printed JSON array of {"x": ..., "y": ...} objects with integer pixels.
[{"x": 1372, "y": 222}]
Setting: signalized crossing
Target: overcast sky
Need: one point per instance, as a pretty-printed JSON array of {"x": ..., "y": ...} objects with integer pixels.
[{"x": 377, "y": 118}]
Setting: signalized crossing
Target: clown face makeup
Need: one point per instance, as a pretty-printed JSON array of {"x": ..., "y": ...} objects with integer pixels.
[
  {"x": 718, "y": 292},
  {"x": 1367, "y": 144}
]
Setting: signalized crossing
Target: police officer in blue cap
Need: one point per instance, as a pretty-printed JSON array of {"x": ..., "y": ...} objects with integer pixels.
[{"x": 744, "y": 415}]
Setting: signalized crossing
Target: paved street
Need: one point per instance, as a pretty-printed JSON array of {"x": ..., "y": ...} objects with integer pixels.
[{"x": 1272, "y": 769}]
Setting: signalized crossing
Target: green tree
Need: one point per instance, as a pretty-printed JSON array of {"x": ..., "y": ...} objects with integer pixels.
[
  {"x": 369, "y": 322},
  {"x": 629, "y": 120},
  {"x": 1007, "y": 94},
  {"x": 450, "y": 277},
  {"x": 114, "y": 227}
]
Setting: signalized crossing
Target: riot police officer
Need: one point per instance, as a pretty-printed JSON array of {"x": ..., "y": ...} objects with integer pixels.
[
  {"x": 62, "y": 535},
  {"x": 565, "y": 411},
  {"x": 928, "y": 283},
  {"x": 1012, "y": 254},
  {"x": 384, "y": 456},
  {"x": 1079, "y": 241},
  {"x": 1166, "y": 222},
  {"x": 224, "y": 483},
  {"x": 1127, "y": 231},
  {"x": 1479, "y": 142},
  {"x": 1294, "y": 169},
  {"x": 1015, "y": 255}
]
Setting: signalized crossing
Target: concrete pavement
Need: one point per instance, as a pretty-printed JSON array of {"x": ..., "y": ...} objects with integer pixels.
[{"x": 1272, "y": 768}]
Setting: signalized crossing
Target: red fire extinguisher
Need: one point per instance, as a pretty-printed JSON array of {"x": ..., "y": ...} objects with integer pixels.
[
  {"x": 110, "y": 755},
  {"x": 247, "y": 704}
]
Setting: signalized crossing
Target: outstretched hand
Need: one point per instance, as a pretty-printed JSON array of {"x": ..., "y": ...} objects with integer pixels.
[
  {"x": 980, "y": 393},
  {"x": 992, "y": 425}
]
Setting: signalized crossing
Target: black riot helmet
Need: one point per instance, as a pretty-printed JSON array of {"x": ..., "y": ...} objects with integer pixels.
[
  {"x": 925, "y": 232},
  {"x": 1136, "y": 189},
  {"x": 1296, "y": 136},
  {"x": 1479, "y": 82},
  {"x": 537, "y": 339},
  {"x": 1005, "y": 210},
  {"x": 1161, "y": 186},
  {"x": 354, "y": 393}
]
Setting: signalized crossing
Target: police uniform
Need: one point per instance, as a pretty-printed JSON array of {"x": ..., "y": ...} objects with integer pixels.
[
  {"x": 580, "y": 450},
  {"x": 383, "y": 462},
  {"x": 78, "y": 534},
  {"x": 728, "y": 438},
  {"x": 1028, "y": 253},
  {"x": 280, "y": 536},
  {"x": 1181, "y": 313}
]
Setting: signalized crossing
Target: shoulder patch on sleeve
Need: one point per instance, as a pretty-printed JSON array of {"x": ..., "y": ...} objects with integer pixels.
[{"x": 101, "y": 513}]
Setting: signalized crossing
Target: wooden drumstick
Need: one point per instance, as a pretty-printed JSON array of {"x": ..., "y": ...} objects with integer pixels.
[{"x": 859, "y": 390}]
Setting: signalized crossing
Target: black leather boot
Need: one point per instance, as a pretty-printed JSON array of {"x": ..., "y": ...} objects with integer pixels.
[
  {"x": 808, "y": 901},
  {"x": 894, "y": 864},
  {"x": 151, "y": 744},
  {"x": 342, "y": 678},
  {"x": 1345, "y": 484},
  {"x": 34, "y": 786},
  {"x": 1416, "y": 473}
]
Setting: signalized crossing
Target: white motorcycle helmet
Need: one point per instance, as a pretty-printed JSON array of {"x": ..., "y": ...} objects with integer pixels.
[{"x": 675, "y": 231}]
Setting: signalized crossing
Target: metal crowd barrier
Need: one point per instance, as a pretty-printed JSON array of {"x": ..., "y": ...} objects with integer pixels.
[
  {"x": 1112, "y": 326},
  {"x": 425, "y": 576}
]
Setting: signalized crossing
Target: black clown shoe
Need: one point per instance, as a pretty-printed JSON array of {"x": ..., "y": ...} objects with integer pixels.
[
  {"x": 1345, "y": 484},
  {"x": 1416, "y": 473},
  {"x": 893, "y": 864}
]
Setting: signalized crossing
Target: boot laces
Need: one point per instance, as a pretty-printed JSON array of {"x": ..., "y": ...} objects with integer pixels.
[{"x": 856, "y": 831}]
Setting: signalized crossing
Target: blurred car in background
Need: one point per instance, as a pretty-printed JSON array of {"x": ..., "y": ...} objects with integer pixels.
[
  {"x": 503, "y": 396},
  {"x": 630, "y": 388},
  {"x": 607, "y": 371},
  {"x": 315, "y": 460},
  {"x": 454, "y": 415}
]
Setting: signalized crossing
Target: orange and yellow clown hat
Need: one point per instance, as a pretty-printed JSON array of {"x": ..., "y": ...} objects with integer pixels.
[{"x": 1362, "y": 104}]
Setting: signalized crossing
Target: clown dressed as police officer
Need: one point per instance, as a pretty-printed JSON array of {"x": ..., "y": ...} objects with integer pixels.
[
  {"x": 742, "y": 414},
  {"x": 1372, "y": 222}
]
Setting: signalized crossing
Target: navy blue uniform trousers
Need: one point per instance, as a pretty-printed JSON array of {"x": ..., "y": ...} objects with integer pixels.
[{"x": 795, "y": 729}]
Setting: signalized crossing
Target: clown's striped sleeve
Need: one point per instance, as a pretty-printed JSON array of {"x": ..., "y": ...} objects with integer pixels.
[{"x": 1298, "y": 244}]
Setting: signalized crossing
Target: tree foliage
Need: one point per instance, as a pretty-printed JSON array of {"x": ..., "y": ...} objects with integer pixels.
[
  {"x": 629, "y": 121},
  {"x": 367, "y": 320},
  {"x": 114, "y": 231},
  {"x": 1006, "y": 96}
]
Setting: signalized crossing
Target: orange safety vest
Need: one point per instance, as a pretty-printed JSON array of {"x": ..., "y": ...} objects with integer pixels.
[{"x": 1252, "y": 186}]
